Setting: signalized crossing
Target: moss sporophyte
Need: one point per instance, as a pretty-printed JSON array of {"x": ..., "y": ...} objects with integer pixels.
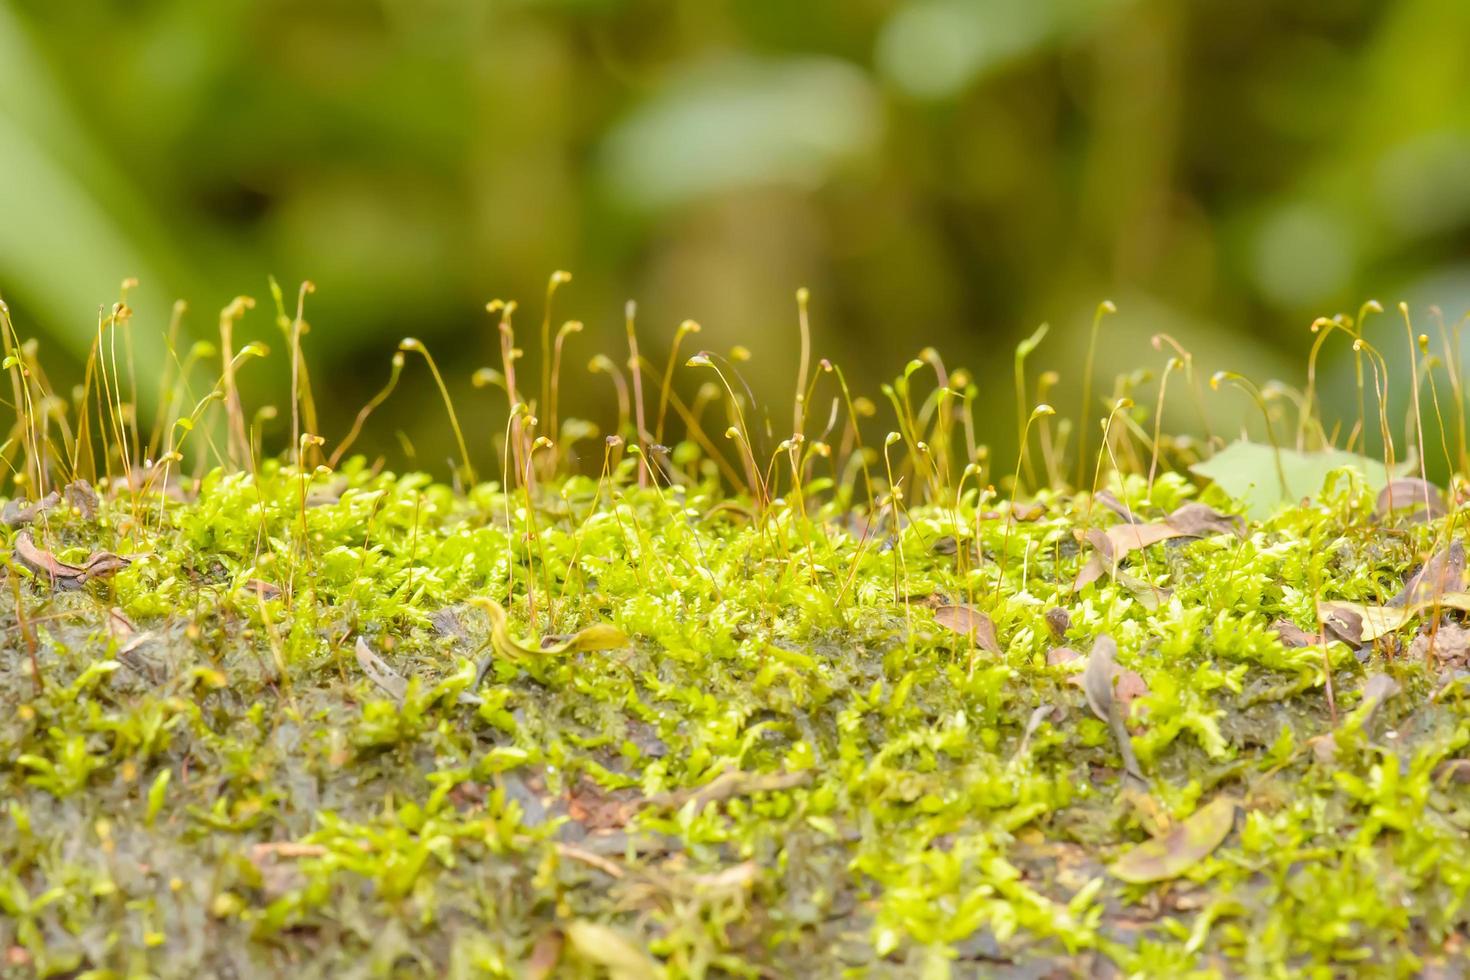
[{"x": 699, "y": 697}]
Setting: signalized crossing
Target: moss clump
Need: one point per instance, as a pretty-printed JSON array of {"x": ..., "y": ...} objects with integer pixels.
[
  {"x": 762, "y": 776},
  {"x": 336, "y": 721}
]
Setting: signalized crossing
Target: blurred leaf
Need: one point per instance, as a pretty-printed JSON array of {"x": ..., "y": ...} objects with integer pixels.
[
  {"x": 934, "y": 49},
  {"x": 61, "y": 199},
  {"x": 1247, "y": 471},
  {"x": 742, "y": 123}
]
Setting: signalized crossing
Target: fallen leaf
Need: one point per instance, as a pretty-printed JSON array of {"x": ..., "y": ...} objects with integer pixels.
[
  {"x": 1410, "y": 491},
  {"x": 1452, "y": 771},
  {"x": 1198, "y": 521},
  {"x": 1450, "y": 643},
  {"x": 545, "y": 955},
  {"x": 1038, "y": 715},
  {"x": 1127, "y": 685},
  {"x": 606, "y": 948},
  {"x": 1186, "y": 844},
  {"x": 43, "y": 562},
  {"x": 261, "y": 589},
  {"x": 1103, "y": 681},
  {"x": 1442, "y": 574},
  {"x": 1058, "y": 620},
  {"x": 1024, "y": 513},
  {"x": 966, "y": 620},
  {"x": 1112, "y": 545},
  {"x": 1110, "y": 500},
  {"x": 99, "y": 564},
  {"x": 18, "y": 513},
  {"x": 389, "y": 680},
  {"x": 1061, "y": 655},
  {"x": 1098, "y": 680},
  {"x": 1357, "y": 624},
  {"x": 1293, "y": 635},
  {"x": 1028, "y": 512},
  {"x": 1093, "y": 570},
  {"x": 1125, "y": 538}
]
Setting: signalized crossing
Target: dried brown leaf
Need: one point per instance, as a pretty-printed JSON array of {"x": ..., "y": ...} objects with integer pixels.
[
  {"x": 1443, "y": 573},
  {"x": 18, "y": 513},
  {"x": 1125, "y": 538},
  {"x": 389, "y": 680},
  {"x": 1058, "y": 620},
  {"x": 43, "y": 562},
  {"x": 966, "y": 620},
  {"x": 1090, "y": 572},
  {"x": 1450, "y": 642},
  {"x": 545, "y": 955},
  {"x": 1097, "y": 678},
  {"x": 1112, "y": 545},
  {"x": 1293, "y": 635},
  {"x": 1198, "y": 521},
  {"x": 1127, "y": 685},
  {"x": 1057, "y": 656},
  {"x": 99, "y": 564},
  {"x": 1109, "y": 500},
  {"x": 1038, "y": 715},
  {"x": 1452, "y": 771},
  {"x": 1407, "y": 492},
  {"x": 262, "y": 589}
]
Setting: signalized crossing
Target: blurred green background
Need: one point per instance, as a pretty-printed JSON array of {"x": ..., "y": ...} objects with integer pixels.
[{"x": 939, "y": 172}]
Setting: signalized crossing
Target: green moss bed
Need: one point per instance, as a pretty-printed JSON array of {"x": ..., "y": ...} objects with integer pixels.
[{"x": 728, "y": 737}]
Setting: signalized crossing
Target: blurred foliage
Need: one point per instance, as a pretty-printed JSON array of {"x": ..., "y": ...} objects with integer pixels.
[{"x": 938, "y": 172}]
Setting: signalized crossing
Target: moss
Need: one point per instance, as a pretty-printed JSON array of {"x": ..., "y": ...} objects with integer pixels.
[
  {"x": 209, "y": 779},
  {"x": 343, "y": 721}
]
